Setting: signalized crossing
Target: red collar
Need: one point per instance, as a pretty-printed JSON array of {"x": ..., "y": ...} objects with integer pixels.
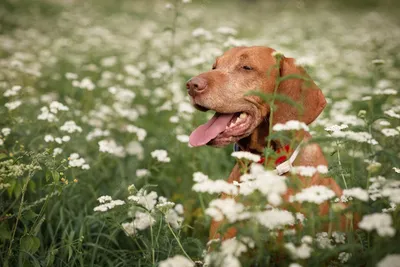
[{"x": 283, "y": 155}]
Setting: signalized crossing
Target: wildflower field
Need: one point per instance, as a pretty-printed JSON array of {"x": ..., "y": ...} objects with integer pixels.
[{"x": 95, "y": 166}]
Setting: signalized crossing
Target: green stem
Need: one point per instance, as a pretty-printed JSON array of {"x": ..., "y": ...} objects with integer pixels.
[
  {"x": 179, "y": 242},
  {"x": 340, "y": 165},
  {"x": 271, "y": 105},
  {"x": 17, "y": 220},
  {"x": 152, "y": 246}
]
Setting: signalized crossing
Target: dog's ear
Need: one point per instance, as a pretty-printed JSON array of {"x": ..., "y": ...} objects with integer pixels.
[{"x": 299, "y": 87}]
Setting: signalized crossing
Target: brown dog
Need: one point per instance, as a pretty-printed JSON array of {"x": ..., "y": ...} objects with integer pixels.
[{"x": 244, "y": 119}]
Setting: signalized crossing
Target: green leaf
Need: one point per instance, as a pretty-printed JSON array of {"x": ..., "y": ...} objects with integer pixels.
[
  {"x": 5, "y": 232},
  {"x": 48, "y": 175},
  {"x": 56, "y": 176},
  {"x": 29, "y": 215},
  {"x": 29, "y": 244}
]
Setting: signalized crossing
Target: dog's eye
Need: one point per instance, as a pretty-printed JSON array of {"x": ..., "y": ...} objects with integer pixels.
[
  {"x": 214, "y": 67},
  {"x": 247, "y": 67}
]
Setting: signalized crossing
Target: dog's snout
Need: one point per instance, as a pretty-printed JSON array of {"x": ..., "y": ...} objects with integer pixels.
[{"x": 196, "y": 85}]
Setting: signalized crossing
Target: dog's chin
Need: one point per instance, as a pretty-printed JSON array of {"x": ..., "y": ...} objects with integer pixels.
[{"x": 235, "y": 132}]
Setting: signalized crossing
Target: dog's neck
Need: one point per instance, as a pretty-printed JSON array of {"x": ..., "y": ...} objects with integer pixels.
[{"x": 256, "y": 142}]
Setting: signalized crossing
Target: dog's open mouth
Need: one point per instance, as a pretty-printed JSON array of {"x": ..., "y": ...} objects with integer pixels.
[{"x": 221, "y": 129}]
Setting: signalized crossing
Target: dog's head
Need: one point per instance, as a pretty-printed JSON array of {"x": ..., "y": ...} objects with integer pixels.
[{"x": 225, "y": 89}]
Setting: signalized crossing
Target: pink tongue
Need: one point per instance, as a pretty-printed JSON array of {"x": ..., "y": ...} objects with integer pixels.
[{"x": 204, "y": 133}]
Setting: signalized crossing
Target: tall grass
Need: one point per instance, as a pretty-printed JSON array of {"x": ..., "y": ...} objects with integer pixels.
[{"x": 118, "y": 72}]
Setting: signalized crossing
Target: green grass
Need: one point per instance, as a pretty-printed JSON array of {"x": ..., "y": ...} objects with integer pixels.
[{"x": 46, "y": 214}]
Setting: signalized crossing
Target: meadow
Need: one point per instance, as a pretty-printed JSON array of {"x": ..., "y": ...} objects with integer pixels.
[{"x": 95, "y": 166}]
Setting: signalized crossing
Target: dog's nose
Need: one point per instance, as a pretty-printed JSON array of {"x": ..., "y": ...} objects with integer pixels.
[{"x": 196, "y": 85}]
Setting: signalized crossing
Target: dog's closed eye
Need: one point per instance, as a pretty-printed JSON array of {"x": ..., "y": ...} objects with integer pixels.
[{"x": 247, "y": 67}]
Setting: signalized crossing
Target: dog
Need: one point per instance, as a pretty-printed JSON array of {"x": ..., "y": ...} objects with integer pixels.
[{"x": 243, "y": 119}]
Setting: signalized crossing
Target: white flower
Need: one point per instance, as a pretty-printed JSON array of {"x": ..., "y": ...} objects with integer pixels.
[
  {"x": 76, "y": 161},
  {"x": 200, "y": 32},
  {"x": 397, "y": 170},
  {"x": 185, "y": 107},
  {"x": 86, "y": 83},
  {"x": 70, "y": 127},
  {"x": 57, "y": 106},
  {"x": 109, "y": 205},
  {"x": 323, "y": 240},
  {"x": 48, "y": 138},
  {"x": 142, "y": 172},
  {"x": 361, "y": 137},
  {"x": 161, "y": 155},
  {"x": 336, "y": 128},
  {"x": 229, "y": 208},
  {"x": 275, "y": 219},
  {"x": 66, "y": 138},
  {"x": 391, "y": 260},
  {"x": 314, "y": 194},
  {"x": 344, "y": 257},
  {"x": 13, "y": 91},
  {"x": 199, "y": 177},
  {"x": 104, "y": 199},
  {"x": 179, "y": 209},
  {"x": 366, "y": 98},
  {"x": 135, "y": 148},
  {"x": 122, "y": 95},
  {"x": 300, "y": 217},
  {"x": 307, "y": 239},
  {"x": 13, "y": 105},
  {"x": 388, "y": 91},
  {"x": 227, "y": 30},
  {"x": 290, "y": 125},
  {"x": 146, "y": 200},
  {"x": 6, "y": 131},
  {"x": 392, "y": 190},
  {"x": 356, "y": 192},
  {"x": 182, "y": 138},
  {"x": 45, "y": 115},
  {"x": 267, "y": 182},
  {"x": 129, "y": 228},
  {"x": 110, "y": 146},
  {"x": 233, "y": 247},
  {"x": 378, "y": 61},
  {"x": 340, "y": 238},
  {"x": 143, "y": 220},
  {"x": 169, "y": 6},
  {"x": 57, "y": 151},
  {"x": 381, "y": 222},
  {"x": 85, "y": 167},
  {"x": 301, "y": 252},
  {"x": 390, "y": 132},
  {"x": 215, "y": 187},
  {"x": 294, "y": 265},
  {"x": 97, "y": 133},
  {"x": 177, "y": 261},
  {"x": 173, "y": 218},
  {"x": 71, "y": 76},
  {"x": 309, "y": 170},
  {"x": 174, "y": 119},
  {"x": 246, "y": 155},
  {"x": 392, "y": 113},
  {"x": 108, "y": 61}
]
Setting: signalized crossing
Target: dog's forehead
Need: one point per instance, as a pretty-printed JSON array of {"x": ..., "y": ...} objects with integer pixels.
[{"x": 254, "y": 54}]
